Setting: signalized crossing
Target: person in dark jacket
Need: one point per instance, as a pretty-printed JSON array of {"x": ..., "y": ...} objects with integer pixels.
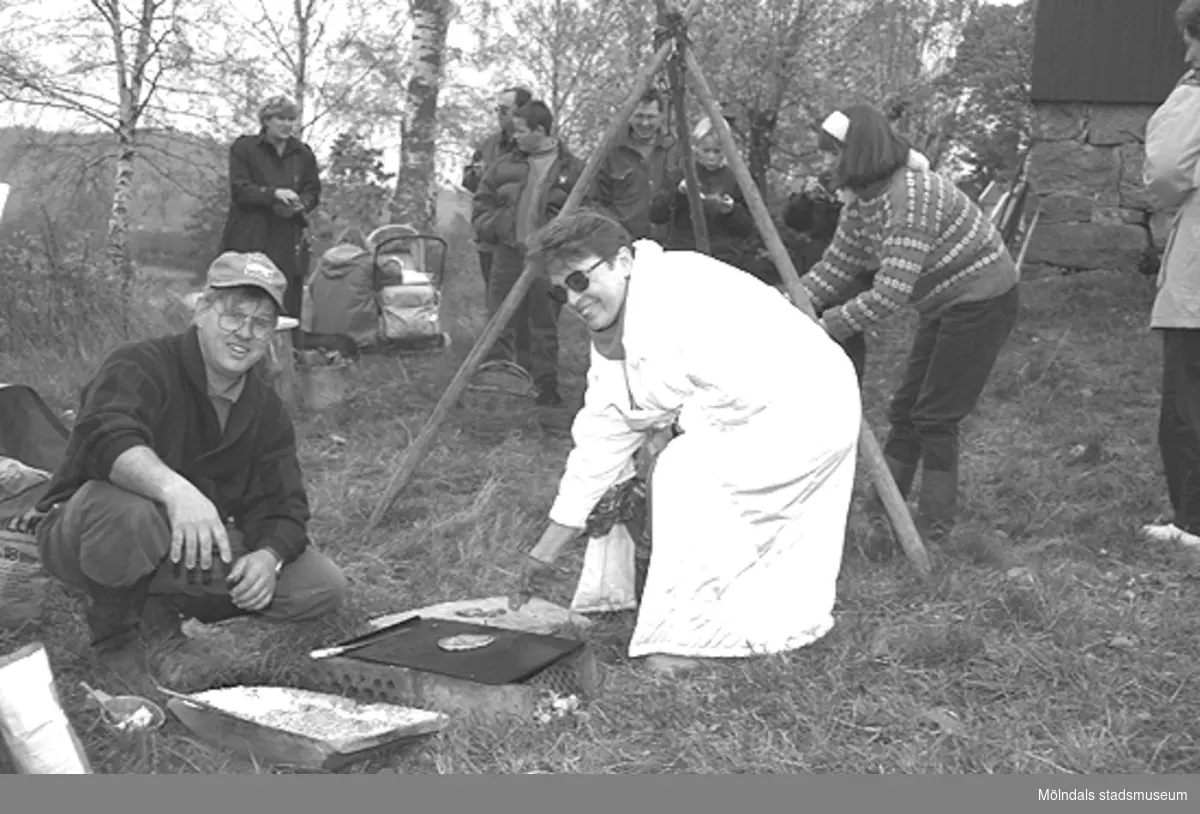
[
  {"x": 636, "y": 168},
  {"x": 813, "y": 211},
  {"x": 485, "y": 155},
  {"x": 522, "y": 192},
  {"x": 490, "y": 149},
  {"x": 180, "y": 493},
  {"x": 275, "y": 185},
  {"x": 725, "y": 212}
]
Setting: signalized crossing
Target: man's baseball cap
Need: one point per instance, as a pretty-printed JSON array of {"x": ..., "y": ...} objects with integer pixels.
[{"x": 234, "y": 269}]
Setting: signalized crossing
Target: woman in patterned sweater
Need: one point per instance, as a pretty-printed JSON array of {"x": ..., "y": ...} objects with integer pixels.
[{"x": 935, "y": 251}]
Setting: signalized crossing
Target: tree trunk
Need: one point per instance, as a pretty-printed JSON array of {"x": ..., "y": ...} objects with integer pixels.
[
  {"x": 303, "y": 13},
  {"x": 120, "y": 265},
  {"x": 761, "y": 128},
  {"x": 415, "y": 198}
]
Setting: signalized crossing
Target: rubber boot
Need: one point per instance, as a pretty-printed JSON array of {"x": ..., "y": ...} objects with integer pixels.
[
  {"x": 938, "y": 504},
  {"x": 880, "y": 544},
  {"x": 114, "y": 619},
  {"x": 181, "y": 662}
]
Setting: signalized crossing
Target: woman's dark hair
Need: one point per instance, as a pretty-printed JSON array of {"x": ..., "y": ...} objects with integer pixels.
[
  {"x": 827, "y": 143},
  {"x": 1187, "y": 18},
  {"x": 873, "y": 150}
]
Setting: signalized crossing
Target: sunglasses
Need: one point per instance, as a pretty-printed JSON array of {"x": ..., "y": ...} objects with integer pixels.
[{"x": 578, "y": 281}]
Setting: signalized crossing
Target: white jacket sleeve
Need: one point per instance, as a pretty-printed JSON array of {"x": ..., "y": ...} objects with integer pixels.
[
  {"x": 1173, "y": 145},
  {"x": 604, "y": 446}
]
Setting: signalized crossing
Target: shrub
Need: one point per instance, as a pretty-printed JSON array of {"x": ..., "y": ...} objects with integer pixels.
[{"x": 57, "y": 298}]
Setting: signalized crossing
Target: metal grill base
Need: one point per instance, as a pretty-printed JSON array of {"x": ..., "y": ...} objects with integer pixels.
[{"x": 579, "y": 675}]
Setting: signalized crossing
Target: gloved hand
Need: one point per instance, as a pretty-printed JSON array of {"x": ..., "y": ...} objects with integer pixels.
[{"x": 535, "y": 578}]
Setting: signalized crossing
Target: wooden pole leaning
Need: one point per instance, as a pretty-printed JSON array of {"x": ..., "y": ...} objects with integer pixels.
[
  {"x": 421, "y": 445},
  {"x": 881, "y": 475},
  {"x": 675, "y": 70},
  {"x": 688, "y": 164}
]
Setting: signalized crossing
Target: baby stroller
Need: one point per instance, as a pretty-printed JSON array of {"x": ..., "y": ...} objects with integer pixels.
[{"x": 410, "y": 295}]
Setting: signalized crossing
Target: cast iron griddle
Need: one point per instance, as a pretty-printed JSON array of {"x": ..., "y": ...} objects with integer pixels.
[{"x": 513, "y": 657}]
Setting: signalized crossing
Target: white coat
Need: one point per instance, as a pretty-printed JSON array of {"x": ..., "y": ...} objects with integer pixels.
[{"x": 750, "y": 503}]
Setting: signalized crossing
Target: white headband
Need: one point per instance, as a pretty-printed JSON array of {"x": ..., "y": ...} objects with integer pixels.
[{"x": 837, "y": 125}]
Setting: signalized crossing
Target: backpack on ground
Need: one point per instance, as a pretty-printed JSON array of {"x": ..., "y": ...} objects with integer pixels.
[{"x": 344, "y": 295}]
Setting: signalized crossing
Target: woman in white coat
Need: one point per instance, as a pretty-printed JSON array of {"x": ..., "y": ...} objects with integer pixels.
[{"x": 750, "y": 500}]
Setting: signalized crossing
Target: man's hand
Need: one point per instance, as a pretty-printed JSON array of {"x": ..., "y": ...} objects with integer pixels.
[
  {"x": 252, "y": 580},
  {"x": 195, "y": 527},
  {"x": 25, "y": 523}
]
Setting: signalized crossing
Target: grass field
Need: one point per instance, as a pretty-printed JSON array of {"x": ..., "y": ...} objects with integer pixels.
[{"x": 1050, "y": 639}]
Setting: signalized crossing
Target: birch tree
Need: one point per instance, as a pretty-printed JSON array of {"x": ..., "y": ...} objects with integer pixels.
[
  {"x": 104, "y": 64},
  {"x": 415, "y": 198}
]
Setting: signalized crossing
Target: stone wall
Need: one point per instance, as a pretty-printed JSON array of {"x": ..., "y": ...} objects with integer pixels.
[{"x": 1086, "y": 168}]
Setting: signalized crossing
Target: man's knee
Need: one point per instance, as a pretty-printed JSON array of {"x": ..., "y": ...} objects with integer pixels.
[
  {"x": 311, "y": 586},
  {"x": 108, "y": 535}
]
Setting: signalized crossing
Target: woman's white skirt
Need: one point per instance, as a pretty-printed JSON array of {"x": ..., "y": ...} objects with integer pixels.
[{"x": 748, "y": 529}]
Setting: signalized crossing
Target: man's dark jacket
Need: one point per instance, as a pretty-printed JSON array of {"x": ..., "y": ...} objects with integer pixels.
[
  {"x": 154, "y": 393},
  {"x": 494, "y": 205}
]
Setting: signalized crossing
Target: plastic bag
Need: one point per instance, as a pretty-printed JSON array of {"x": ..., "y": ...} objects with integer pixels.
[
  {"x": 16, "y": 477},
  {"x": 607, "y": 582},
  {"x": 39, "y": 736}
]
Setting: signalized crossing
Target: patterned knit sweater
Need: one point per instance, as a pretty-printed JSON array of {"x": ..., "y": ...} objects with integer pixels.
[{"x": 932, "y": 245}]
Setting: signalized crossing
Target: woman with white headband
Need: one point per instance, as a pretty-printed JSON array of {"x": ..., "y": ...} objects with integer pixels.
[{"x": 937, "y": 252}]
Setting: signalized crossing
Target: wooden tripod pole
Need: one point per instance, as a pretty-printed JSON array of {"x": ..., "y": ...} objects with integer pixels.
[
  {"x": 420, "y": 446},
  {"x": 695, "y": 206},
  {"x": 881, "y": 475}
]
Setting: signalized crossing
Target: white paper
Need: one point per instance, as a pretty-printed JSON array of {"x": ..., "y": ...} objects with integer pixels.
[{"x": 33, "y": 723}]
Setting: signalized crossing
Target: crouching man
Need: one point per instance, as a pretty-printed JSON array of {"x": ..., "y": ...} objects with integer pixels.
[{"x": 180, "y": 494}]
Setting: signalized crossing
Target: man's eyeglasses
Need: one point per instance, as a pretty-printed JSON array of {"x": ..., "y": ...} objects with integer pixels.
[
  {"x": 502, "y": 109},
  {"x": 260, "y": 327},
  {"x": 578, "y": 281}
]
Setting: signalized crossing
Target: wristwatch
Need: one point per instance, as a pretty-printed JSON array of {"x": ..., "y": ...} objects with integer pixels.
[{"x": 278, "y": 561}]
